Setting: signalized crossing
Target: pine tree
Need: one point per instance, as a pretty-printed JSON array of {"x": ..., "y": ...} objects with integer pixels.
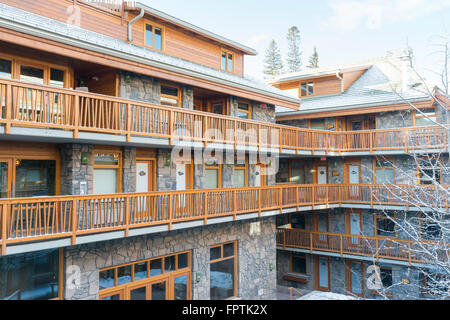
[
  {"x": 314, "y": 60},
  {"x": 294, "y": 60},
  {"x": 273, "y": 64}
]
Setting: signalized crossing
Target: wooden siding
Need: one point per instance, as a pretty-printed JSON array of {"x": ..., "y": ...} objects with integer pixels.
[
  {"x": 327, "y": 86},
  {"x": 177, "y": 42}
]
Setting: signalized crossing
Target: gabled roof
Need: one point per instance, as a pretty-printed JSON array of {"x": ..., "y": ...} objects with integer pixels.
[
  {"x": 193, "y": 28},
  {"x": 46, "y": 28},
  {"x": 388, "y": 81}
]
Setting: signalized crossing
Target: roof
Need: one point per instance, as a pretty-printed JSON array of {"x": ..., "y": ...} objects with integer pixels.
[
  {"x": 43, "y": 27},
  {"x": 388, "y": 81},
  {"x": 196, "y": 29}
]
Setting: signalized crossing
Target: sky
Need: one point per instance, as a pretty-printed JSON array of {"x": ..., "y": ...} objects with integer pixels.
[{"x": 344, "y": 31}]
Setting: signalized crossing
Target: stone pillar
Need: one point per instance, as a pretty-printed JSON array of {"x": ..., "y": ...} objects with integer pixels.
[
  {"x": 187, "y": 97},
  {"x": 167, "y": 175},
  {"x": 129, "y": 170},
  {"x": 73, "y": 173},
  {"x": 139, "y": 87}
]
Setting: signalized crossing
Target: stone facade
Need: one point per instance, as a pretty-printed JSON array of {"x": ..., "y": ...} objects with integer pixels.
[
  {"x": 256, "y": 253},
  {"x": 139, "y": 87},
  {"x": 74, "y": 175}
]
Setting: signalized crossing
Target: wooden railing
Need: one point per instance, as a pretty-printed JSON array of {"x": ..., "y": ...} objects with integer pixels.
[
  {"x": 36, "y": 106},
  {"x": 36, "y": 219},
  {"x": 374, "y": 247}
]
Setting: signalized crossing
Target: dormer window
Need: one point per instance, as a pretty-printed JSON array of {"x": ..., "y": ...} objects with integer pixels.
[
  {"x": 227, "y": 61},
  {"x": 153, "y": 36},
  {"x": 307, "y": 89}
]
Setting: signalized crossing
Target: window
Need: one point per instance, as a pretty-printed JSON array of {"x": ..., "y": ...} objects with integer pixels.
[
  {"x": 5, "y": 69},
  {"x": 35, "y": 178},
  {"x": 124, "y": 275},
  {"x": 31, "y": 276},
  {"x": 223, "y": 267},
  {"x": 154, "y": 36},
  {"x": 298, "y": 264},
  {"x": 170, "y": 95},
  {"x": 107, "y": 172},
  {"x": 425, "y": 118},
  {"x": 317, "y": 124},
  {"x": 32, "y": 74},
  {"x": 307, "y": 89},
  {"x": 240, "y": 174},
  {"x": 298, "y": 221},
  {"x": 429, "y": 170},
  {"x": 244, "y": 110},
  {"x": 57, "y": 78},
  {"x": 297, "y": 172},
  {"x": 385, "y": 225},
  {"x": 384, "y": 172},
  {"x": 386, "y": 277},
  {"x": 435, "y": 284},
  {"x": 213, "y": 174},
  {"x": 227, "y": 61},
  {"x": 430, "y": 230}
]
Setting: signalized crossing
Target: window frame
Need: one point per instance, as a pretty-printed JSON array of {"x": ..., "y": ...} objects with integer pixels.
[
  {"x": 118, "y": 167},
  {"x": 307, "y": 83},
  {"x": 163, "y": 35},
  {"x": 291, "y": 264},
  {"x": 290, "y": 165},
  {"x": 248, "y": 112},
  {"x": 439, "y": 161},
  {"x": 378, "y": 216},
  {"x": 350, "y": 279},
  {"x": 217, "y": 167},
  {"x": 227, "y": 52},
  {"x": 171, "y": 85},
  {"x": 417, "y": 115},
  {"x": 235, "y": 257},
  {"x": 241, "y": 168},
  {"x": 313, "y": 126},
  {"x": 291, "y": 216},
  {"x": 375, "y": 168}
]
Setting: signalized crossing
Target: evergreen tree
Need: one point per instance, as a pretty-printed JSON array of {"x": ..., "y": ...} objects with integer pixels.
[
  {"x": 314, "y": 60},
  {"x": 273, "y": 64},
  {"x": 294, "y": 60}
]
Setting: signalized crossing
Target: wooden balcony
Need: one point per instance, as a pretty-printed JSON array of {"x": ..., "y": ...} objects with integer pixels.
[
  {"x": 25, "y": 220},
  {"x": 43, "y": 107},
  {"x": 373, "y": 247}
]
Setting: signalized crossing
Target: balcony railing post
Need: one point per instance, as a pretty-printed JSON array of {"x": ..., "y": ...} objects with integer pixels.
[
  {"x": 259, "y": 203},
  {"x": 342, "y": 245},
  {"x": 371, "y": 196},
  {"x": 406, "y": 140},
  {"x": 171, "y": 120},
  {"x": 3, "y": 226},
  {"x": 280, "y": 199},
  {"x": 205, "y": 207},
  {"x": 74, "y": 221},
  {"x": 284, "y": 239},
  {"x": 313, "y": 197},
  {"x": 128, "y": 122},
  {"x": 297, "y": 189},
  {"x": 8, "y": 108},
  {"x": 76, "y": 115},
  {"x": 127, "y": 216},
  {"x": 377, "y": 246},
  {"x": 371, "y": 142},
  {"x": 409, "y": 254},
  {"x": 311, "y": 242},
  {"x": 170, "y": 209}
]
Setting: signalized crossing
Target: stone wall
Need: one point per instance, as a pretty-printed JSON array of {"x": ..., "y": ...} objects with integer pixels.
[
  {"x": 265, "y": 114},
  {"x": 73, "y": 172},
  {"x": 394, "y": 119},
  {"x": 129, "y": 170},
  {"x": 139, "y": 87},
  {"x": 255, "y": 254}
]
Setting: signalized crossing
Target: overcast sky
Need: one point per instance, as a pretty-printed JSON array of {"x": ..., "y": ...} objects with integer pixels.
[{"x": 344, "y": 31}]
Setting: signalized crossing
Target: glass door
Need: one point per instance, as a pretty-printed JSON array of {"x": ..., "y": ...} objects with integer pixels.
[
  {"x": 155, "y": 290},
  {"x": 180, "y": 287},
  {"x": 5, "y": 178}
]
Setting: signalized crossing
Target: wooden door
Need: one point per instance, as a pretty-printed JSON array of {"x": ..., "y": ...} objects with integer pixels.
[
  {"x": 145, "y": 176},
  {"x": 352, "y": 172},
  {"x": 322, "y": 273}
]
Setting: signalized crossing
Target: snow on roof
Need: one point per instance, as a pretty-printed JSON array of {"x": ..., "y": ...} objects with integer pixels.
[
  {"x": 387, "y": 81},
  {"x": 67, "y": 31}
]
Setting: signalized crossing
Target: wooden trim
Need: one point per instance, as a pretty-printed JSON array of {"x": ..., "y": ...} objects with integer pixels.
[
  {"x": 115, "y": 151},
  {"x": 174, "y": 86},
  {"x": 235, "y": 257},
  {"x": 391, "y": 159},
  {"x": 317, "y": 274},
  {"x": 349, "y": 278},
  {"x": 250, "y": 108},
  {"x": 291, "y": 256},
  {"x": 152, "y": 178},
  {"x": 227, "y": 53},
  {"x": 163, "y": 36},
  {"x": 356, "y": 110}
]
